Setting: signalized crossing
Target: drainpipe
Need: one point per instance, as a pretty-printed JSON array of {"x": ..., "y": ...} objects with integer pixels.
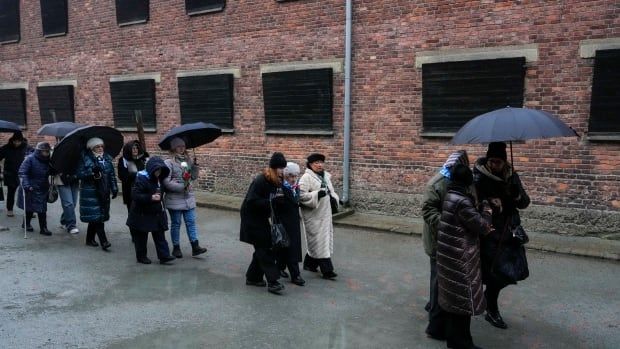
[{"x": 347, "y": 104}]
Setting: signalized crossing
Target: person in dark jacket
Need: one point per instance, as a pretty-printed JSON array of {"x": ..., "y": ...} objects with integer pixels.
[
  {"x": 133, "y": 160},
  {"x": 147, "y": 213},
  {"x": 497, "y": 183},
  {"x": 34, "y": 172},
  {"x": 255, "y": 226},
  {"x": 98, "y": 182},
  {"x": 458, "y": 258},
  {"x": 13, "y": 153},
  {"x": 287, "y": 207}
]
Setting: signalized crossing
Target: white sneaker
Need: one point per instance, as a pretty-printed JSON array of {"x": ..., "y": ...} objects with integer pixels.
[{"x": 74, "y": 231}]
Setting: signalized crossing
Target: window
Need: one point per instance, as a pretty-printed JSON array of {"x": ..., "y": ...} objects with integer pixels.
[
  {"x": 9, "y": 21},
  {"x": 131, "y": 97},
  {"x": 196, "y": 7},
  {"x": 132, "y": 11},
  {"x": 207, "y": 98},
  {"x": 455, "y": 92},
  {"x": 605, "y": 107},
  {"x": 54, "y": 17},
  {"x": 13, "y": 105},
  {"x": 298, "y": 100},
  {"x": 56, "y": 103}
]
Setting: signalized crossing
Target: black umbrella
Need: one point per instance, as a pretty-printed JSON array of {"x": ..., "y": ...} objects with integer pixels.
[
  {"x": 67, "y": 152},
  {"x": 194, "y": 135},
  {"x": 58, "y": 129},
  {"x": 8, "y": 126}
]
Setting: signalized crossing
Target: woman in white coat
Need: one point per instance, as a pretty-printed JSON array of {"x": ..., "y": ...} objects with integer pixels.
[{"x": 316, "y": 191}]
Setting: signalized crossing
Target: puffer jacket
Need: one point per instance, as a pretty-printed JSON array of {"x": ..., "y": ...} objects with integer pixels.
[
  {"x": 34, "y": 172},
  {"x": 92, "y": 207},
  {"x": 458, "y": 253},
  {"x": 146, "y": 215},
  {"x": 178, "y": 195}
]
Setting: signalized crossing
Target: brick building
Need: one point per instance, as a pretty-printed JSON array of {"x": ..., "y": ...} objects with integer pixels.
[{"x": 271, "y": 73}]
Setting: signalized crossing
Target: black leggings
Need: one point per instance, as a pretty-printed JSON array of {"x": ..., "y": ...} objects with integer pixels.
[
  {"x": 491, "y": 293},
  {"x": 10, "y": 197},
  {"x": 96, "y": 228}
]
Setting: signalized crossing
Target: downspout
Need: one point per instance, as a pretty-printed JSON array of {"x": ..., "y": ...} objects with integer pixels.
[{"x": 347, "y": 104}]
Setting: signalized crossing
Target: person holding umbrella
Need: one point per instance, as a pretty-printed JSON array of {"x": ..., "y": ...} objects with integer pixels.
[
  {"x": 133, "y": 161},
  {"x": 34, "y": 172},
  {"x": 96, "y": 172},
  {"x": 13, "y": 154}
]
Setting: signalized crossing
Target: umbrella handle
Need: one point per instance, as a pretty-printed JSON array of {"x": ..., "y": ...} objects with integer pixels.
[{"x": 195, "y": 159}]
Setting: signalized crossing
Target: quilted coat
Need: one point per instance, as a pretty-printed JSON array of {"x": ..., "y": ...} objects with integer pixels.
[{"x": 94, "y": 207}]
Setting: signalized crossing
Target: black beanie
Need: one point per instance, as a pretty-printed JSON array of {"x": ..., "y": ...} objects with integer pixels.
[
  {"x": 277, "y": 160},
  {"x": 315, "y": 157},
  {"x": 461, "y": 175},
  {"x": 497, "y": 150}
]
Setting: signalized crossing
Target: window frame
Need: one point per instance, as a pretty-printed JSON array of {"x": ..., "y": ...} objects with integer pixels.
[
  {"x": 121, "y": 23},
  {"x": 203, "y": 11},
  {"x": 602, "y": 59},
  {"x": 16, "y": 36},
  {"x": 184, "y": 107},
  {"x": 23, "y": 94},
  {"x": 116, "y": 109},
  {"x": 43, "y": 103},
  {"x": 65, "y": 12}
]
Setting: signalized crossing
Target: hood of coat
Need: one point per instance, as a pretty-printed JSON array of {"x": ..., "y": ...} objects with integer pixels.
[
  {"x": 156, "y": 163},
  {"x": 127, "y": 150},
  {"x": 482, "y": 169}
]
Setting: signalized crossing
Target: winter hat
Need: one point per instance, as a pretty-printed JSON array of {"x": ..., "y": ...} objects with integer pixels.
[
  {"x": 315, "y": 157},
  {"x": 277, "y": 160},
  {"x": 17, "y": 136},
  {"x": 42, "y": 146},
  {"x": 93, "y": 142},
  {"x": 176, "y": 142},
  {"x": 291, "y": 169},
  {"x": 462, "y": 175},
  {"x": 497, "y": 150}
]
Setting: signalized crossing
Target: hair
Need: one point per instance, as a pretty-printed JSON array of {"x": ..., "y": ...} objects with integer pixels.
[{"x": 272, "y": 176}]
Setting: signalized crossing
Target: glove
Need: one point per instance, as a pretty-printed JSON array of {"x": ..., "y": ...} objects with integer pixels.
[
  {"x": 114, "y": 194},
  {"x": 322, "y": 193},
  {"x": 97, "y": 169},
  {"x": 30, "y": 189}
]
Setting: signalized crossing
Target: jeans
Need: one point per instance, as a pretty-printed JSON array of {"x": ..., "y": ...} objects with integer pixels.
[
  {"x": 68, "y": 198},
  {"x": 189, "y": 216}
]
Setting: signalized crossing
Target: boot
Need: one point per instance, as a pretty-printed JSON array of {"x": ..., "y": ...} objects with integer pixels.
[
  {"x": 196, "y": 249},
  {"x": 43, "y": 224},
  {"x": 176, "y": 251}
]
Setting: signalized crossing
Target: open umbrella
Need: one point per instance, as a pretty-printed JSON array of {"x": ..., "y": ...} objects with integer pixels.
[
  {"x": 67, "y": 152},
  {"x": 194, "y": 135},
  {"x": 8, "y": 126},
  {"x": 58, "y": 129}
]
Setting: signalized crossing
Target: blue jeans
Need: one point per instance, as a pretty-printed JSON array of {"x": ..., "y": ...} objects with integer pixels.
[
  {"x": 189, "y": 216},
  {"x": 68, "y": 198}
]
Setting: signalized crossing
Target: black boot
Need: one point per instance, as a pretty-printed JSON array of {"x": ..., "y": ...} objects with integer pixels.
[
  {"x": 43, "y": 224},
  {"x": 28, "y": 219},
  {"x": 176, "y": 251},
  {"x": 196, "y": 249}
]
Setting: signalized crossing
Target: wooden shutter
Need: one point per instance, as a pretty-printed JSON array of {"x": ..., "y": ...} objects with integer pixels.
[
  {"x": 195, "y": 7},
  {"x": 207, "y": 98},
  {"x": 9, "y": 20},
  {"x": 455, "y": 92},
  {"x": 298, "y": 100},
  {"x": 54, "y": 17},
  {"x": 605, "y": 105},
  {"x": 132, "y": 11},
  {"x": 128, "y": 96},
  {"x": 13, "y": 105},
  {"x": 56, "y": 100}
]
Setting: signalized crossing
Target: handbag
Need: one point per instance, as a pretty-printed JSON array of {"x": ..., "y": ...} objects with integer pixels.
[
  {"x": 52, "y": 191},
  {"x": 519, "y": 235},
  {"x": 334, "y": 203},
  {"x": 510, "y": 262},
  {"x": 1, "y": 192},
  {"x": 279, "y": 236}
]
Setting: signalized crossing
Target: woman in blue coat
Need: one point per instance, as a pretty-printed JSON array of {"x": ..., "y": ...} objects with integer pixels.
[
  {"x": 96, "y": 172},
  {"x": 33, "y": 173}
]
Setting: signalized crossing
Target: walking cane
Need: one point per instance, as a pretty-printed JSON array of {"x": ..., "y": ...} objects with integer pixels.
[{"x": 24, "y": 202}]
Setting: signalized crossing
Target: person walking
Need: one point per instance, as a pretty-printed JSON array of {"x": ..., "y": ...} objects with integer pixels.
[
  {"x": 179, "y": 199},
  {"x": 316, "y": 192},
  {"x": 498, "y": 184},
  {"x": 13, "y": 153},
  {"x": 34, "y": 172},
  {"x": 68, "y": 190},
  {"x": 98, "y": 182},
  {"x": 147, "y": 213},
  {"x": 133, "y": 160},
  {"x": 256, "y": 229},
  {"x": 436, "y": 190},
  {"x": 458, "y": 258}
]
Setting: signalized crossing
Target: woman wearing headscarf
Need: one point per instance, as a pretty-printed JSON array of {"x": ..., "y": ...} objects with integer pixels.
[
  {"x": 255, "y": 226},
  {"x": 316, "y": 191},
  {"x": 179, "y": 198},
  {"x": 13, "y": 153},
  {"x": 34, "y": 172},
  {"x": 98, "y": 182},
  {"x": 133, "y": 161}
]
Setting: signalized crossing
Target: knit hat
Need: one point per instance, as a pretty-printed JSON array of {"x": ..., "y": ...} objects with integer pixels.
[
  {"x": 315, "y": 157},
  {"x": 277, "y": 160},
  {"x": 497, "y": 150},
  {"x": 93, "y": 142},
  {"x": 17, "y": 136},
  {"x": 458, "y": 157},
  {"x": 462, "y": 175},
  {"x": 42, "y": 146},
  {"x": 291, "y": 169},
  {"x": 176, "y": 142}
]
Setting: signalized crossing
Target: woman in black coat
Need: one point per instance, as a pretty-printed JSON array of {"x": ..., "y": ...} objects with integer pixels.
[
  {"x": 255, "y": 226},
  {"x": 13, "y": 153},
  {"x": 147, "y": 213},
  {"x": 34, "y": 172},
  {"x": 133, "y": 161}
]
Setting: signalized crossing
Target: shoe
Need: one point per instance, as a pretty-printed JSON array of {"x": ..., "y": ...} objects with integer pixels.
[
  {"x": 283, "y": 274},
  {"x": 496, "y": 320},
  {"x": 74, "y": 231},
  {"x": 330, "y": 275},
  {"x": 10, "y": 214},
  {"x": 166, "y": 260},
  {"x": 92, "y": 243},
  {"x": 196, "y": 249},
  {"x": 314, "y": 270},
  {"x": 28, "y": 228},
  {"x": 105, "y": 245},
  {"x": 261, "y": 283},
  {"x": 435, "y": 336},
  {"x": 297, "y": 280},
  {"x": 275, "y": 287},
  {"x": 144, "y": 260},
  {"x": 45, "y": 232},
  {"x": 176, "y": 251},
  {"x": 427, "y": 307}
]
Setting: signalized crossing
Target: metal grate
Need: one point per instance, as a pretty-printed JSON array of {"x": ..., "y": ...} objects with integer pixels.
[
  {"x": 56, "y": 104},
  {"x": 131, "y": 96},
  {"x": 207, "y": 98},
  {"x": 605, "y": 107}
]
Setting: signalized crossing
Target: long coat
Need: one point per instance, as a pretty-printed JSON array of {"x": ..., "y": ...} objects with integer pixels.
[
  {"x": 436, "y": 190},
  {"x": 287, "y": 211},
  {"x": 458, "y": 254},
  {"x": 34, "y": 172},
  {"x": 95, "y": 206},
  {"x": 178, "y": 195},
  {"x": 128, "y": 168},
  {"x": 317, "y": 214},
  {"x": 255, "y": 213},
  {"x": 146, "y": 215},
  {"x": 13, "y": 158}
]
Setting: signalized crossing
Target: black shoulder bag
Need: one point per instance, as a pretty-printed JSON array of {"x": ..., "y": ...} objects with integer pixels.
[{"x": 279, "y": 236}]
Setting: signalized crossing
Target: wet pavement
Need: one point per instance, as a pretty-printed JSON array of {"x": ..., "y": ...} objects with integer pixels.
[{"x": 58, "y": 293}]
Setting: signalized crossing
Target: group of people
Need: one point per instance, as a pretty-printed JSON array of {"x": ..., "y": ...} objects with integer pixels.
[{"x": 474, "y": 238}]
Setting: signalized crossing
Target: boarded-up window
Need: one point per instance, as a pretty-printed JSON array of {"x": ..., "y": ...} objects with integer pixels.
[
  {"x": 132, "y": 11},
  {"x": 56, "y": 103},
  {"x": 207, "y": 98},
  {"x": 54, "y": 17},
  {"x": 455, "y": 92},
  {"x": 298, "y": 100},
  {"x": 9, "y": 21},
  {"x": 131, "y": 96},
  {"x": 196, "y": 7},
  {"x": 605, "y": 108},
  {"x": 13, "y": 105}
]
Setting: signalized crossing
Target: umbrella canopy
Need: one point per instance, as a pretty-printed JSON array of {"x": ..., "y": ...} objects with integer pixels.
[
  {"x": 194, "y": 135},
  {"x": 8, "y": 126},
  {"x": 67, "y": 152},
  {"x": 58, "y": 129},
  {"x": 512, "y": 124}
]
